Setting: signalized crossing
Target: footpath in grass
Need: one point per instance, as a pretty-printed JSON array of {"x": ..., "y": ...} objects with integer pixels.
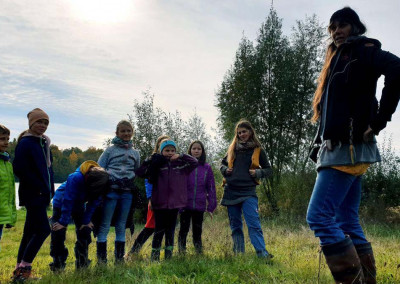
[{"x": 295, "y": 249}]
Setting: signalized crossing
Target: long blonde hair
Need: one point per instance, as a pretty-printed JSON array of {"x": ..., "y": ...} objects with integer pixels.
[{"x": 253, "y": 137}]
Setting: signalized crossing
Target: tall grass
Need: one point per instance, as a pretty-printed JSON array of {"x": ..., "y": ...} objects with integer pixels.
[{"x": 295, "y": 249}]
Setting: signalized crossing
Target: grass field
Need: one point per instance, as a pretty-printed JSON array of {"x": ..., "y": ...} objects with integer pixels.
[{"x": 295, "y": 249}]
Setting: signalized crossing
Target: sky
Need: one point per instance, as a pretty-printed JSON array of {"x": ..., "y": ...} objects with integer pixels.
[{"x": 85, "y": 62}]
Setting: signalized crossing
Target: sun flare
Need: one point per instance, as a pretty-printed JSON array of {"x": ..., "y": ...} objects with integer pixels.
[{"x": 102, "y": 11}]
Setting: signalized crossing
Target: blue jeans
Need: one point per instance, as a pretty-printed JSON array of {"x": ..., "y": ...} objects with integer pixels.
[
  {"x": 115, "y": 201},
  {"x": 333, "y": 209},
  {"x": 249, "y": 207}
]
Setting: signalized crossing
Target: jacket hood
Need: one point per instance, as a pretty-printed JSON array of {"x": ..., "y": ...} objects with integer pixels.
[{"x": 84, "y": 168}]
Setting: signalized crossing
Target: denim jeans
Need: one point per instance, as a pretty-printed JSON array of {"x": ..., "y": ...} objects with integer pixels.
[
  {"x": 249, "y": 207},
  {"x": 121, "y": 203},
  {"x": 333, "y": 209}
]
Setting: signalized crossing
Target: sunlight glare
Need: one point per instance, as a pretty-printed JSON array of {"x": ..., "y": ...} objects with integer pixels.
[{"x": 102, "y": 11}]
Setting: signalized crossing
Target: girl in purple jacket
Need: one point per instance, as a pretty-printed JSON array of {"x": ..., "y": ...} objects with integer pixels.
[
  {"x": 201, "y": 198},
  {"x": 168, "y": 173}
]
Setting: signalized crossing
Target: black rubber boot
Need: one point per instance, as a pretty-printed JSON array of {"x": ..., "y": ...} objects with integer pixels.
[
  {"x": 101, "y": 253},
  {"x": 367, "y": 260},
  {"x": 119, "y": 251},
  {"x": 343, "y": 261}
]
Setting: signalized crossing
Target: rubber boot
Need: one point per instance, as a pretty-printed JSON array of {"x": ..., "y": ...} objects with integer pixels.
[
  {"x": 367, "y": 260},
  {"x": 119, "y": 251},
  {"x": 155, "y": 254},
  {"x": 168, "y": 252},
  {"x": 343, "y": 261},
  {"x": 101, "y": 253}
]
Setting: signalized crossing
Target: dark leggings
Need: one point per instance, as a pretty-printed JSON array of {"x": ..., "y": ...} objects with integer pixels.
[
  {"x": 36, "y": 229},
  {"x": 197, "y": 227},
  {"x": 165, "y": 224},
  {"x": 141, "y": 239},
  {"x": 57, "y": 246}
]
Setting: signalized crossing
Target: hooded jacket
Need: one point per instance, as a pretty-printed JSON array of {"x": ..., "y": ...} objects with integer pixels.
[
  {"x": 170, "y": 184},
  {"x": 31, "y": 167},
  {"x": 8, "y": 211},
  {"x": 201, "y": 195},
  {"x": 72, "y": 196},
  {"x": 349, "y": 95}
]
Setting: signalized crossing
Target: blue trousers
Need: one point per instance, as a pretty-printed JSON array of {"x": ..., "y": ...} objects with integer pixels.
[
  {"x": 333, "y": 209},
  {"x": 121, "y": 203},
  {"x": 249, "y": 207}
]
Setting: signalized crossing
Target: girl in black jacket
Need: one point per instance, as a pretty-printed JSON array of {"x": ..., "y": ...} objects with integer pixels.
[{"x": 349, "y": 118}]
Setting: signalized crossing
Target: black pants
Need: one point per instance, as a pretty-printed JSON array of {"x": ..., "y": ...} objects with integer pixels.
[
  {"x": 165, "y": 224},
  {"x": 36, "y": 229},
  {"x": 197, "y": 228},
  {"x": 143, "y": 236},
  {"x": 57, "y": 245}
]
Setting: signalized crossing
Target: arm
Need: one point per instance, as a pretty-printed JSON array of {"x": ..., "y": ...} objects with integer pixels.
[
  {"x": 104, "y": 159},
  {"x": 90, "y": 208},
  {"x": 74, "y": 183},
  {"x": 211, "y": 192},
  {"x": 224, "y": 166},
  {"x": 266, "y": 170},
  {"x": 191, "y": 162},
  {"x": 21, "y": 166},
  {"x": 389, "y": 65}
]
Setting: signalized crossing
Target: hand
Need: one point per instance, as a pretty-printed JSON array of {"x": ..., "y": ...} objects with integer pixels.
[
  {"x": 57, "y": 226},
  {"x": 210, "y": 214},
  {"x": 252, "y": 172},
  {"x": 175, "y": 157},
  {"x": 150, "y": 206},
  {"x": 90, "y": 226},
  {"x": 368, "y": 135},
  {"x": 229, "y": 171}
]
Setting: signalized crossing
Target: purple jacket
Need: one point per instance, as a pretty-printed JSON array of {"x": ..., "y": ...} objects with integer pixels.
[
  {"x": 170, "y": 190},
  {"x": 201, "y": 189}
]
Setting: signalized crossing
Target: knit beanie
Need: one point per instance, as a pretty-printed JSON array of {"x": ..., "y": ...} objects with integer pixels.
[
  {"x": 349, "y": 16},
  {"x": 167, "y": 143},
  {"x": 35, "y": 115}
]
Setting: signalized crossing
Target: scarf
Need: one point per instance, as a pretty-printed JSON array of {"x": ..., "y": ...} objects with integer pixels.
[
  {"x": 243, "y": 146},
  {"x": 121, "y": 143},
  {"x": 47, "y": 149},
  {"x": 4, "y": 156}
]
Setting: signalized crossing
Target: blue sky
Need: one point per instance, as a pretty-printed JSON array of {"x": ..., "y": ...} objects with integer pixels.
[{"x": 84, "y": 61}]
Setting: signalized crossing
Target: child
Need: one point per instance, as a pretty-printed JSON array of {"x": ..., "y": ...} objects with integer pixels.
[
  {"x": 246, "y": 162},
  {"x": 201, "y": 198},
  {"x": 77, "y": 197},
  {"x": 32, "y": 165},
  {"x": 8, "y": 211},
  {"x": 120, "y": 160},
  {"x": 148, "y": 229},
  {"x": 168, "y": 173}
]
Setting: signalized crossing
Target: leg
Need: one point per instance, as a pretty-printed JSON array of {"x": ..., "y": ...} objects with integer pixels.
[
  {"x": 58, "y": 250},
  {"x": 159, "y": 232},
  {"x": 235, "y": 221},
  {"x": 170, "y": 232},
  {"x": 141, "y": 239},
  {"x": 250, "y": 212},
  {"x": 367, "y": 259},
  {"x": 197, "y": 227},
  {"x": 83, "y": 239},
  {"x": 124, "y": 206},
  {"x": 183, "y": 230}
]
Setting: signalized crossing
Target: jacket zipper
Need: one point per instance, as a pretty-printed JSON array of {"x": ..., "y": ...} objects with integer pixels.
[{"x": 195, "y": 189}]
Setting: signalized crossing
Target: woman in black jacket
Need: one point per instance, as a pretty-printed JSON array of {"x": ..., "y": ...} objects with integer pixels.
[{"x": 349, "y": 118}]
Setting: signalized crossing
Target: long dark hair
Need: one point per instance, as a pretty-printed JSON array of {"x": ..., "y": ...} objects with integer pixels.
[
  {"x": 345, "y": 15},
  {"x": 203, "y": 156}
]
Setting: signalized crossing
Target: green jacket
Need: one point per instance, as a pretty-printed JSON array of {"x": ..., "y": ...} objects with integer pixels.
[{"x": 8, "y": 211}]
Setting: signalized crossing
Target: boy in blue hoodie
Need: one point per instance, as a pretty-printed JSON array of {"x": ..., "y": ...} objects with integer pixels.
[{"x": 78, "y": 198}]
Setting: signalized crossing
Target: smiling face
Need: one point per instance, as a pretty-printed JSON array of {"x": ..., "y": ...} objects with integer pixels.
[
  {"x": 196, "y": 150},
  {"x": 339, "y": 32},
  {"x": 39, "y": 127},
  {"x": 243, "y": 134},
  {"x": 168, "y": 152},
  {"x": 4, "y": 142},
  {"x": 125, "y": 132}
]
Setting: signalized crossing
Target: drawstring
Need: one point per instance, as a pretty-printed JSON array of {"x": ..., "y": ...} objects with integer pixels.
[
  {"x": 351, "y": 148},
  {"x": 319, "y": 265}
]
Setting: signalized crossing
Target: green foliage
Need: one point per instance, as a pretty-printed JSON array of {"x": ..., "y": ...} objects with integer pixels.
[{"x": 294, "y": 246}]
